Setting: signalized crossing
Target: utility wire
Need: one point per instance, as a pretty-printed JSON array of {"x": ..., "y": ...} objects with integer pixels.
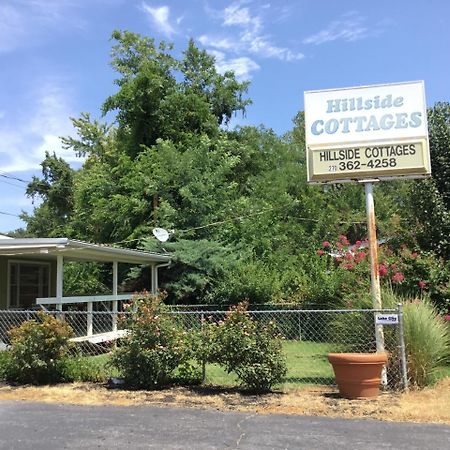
[
  {"x": 231, "y": 219},
  {"x": 11, "y": 177},
  {"x": 8, "y": 214},
  {"x": 12, "y": 184}
]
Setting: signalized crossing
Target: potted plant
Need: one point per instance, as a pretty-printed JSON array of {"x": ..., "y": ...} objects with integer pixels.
[{"x": 358, "y": 375}]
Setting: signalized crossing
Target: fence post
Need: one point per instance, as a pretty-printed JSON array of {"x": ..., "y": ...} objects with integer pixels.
[
  {"x": 89, "y": 319},
  {"x": 115, "y": 302},
  {"x": 402, "y": 349},
  {"x": 202, "y": 320},
  {"x": 299, "y": 326}
]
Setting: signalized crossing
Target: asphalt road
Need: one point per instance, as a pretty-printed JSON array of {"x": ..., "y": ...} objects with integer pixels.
[{"x": 36, "y": 426}]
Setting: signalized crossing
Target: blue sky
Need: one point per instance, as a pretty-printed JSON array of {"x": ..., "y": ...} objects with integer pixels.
[{"x": 54, "y": 57}]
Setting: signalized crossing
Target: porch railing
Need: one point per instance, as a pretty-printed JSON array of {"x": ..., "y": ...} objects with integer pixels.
[{"x": 89, "y": 300}]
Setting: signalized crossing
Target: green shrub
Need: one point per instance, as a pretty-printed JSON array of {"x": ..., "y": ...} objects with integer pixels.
[
  {"x": 4, "y": 360},
  {"x": 251, "y": 350},
  {"x": 84, "y": 368},
  {"x": 38, "y": 350},
  {"x": 427, "y": 341},
  {"x": 154, "y": 347}
]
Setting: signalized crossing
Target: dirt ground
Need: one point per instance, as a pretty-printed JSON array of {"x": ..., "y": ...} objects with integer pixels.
[{"x": 428, "y": 405}]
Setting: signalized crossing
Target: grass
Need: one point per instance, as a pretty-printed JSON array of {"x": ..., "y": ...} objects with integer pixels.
[
  {"x": 306, "y": 361},
  {"x": 307, "y": 364}
]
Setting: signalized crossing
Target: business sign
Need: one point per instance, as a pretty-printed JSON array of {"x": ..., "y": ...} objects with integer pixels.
[
  {"x": 386, "y": 319},
  {"x": 368, "y": 132}
]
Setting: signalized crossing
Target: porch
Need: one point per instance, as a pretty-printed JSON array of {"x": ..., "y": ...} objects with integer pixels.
[{"x": 32, "y": 277}]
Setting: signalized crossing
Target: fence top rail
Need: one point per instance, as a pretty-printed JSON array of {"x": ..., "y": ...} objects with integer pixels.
[
  {"x": 206, "y": 312},
  {"x": 286, "y": 311}
]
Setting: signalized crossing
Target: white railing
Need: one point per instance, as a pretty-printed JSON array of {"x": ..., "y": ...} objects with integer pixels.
[
  {"x": 82, "y": 299},
  {"x": 89, "y": 300}
]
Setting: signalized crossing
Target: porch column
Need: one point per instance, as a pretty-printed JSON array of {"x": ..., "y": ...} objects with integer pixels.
[
  {"x": 59, "y": 280},
  {"x": 115, "y": 302},
  {"x": 154, "y": 272}
]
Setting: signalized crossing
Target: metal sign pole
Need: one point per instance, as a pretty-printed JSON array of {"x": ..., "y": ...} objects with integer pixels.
[{"x": 374, "y": 273}]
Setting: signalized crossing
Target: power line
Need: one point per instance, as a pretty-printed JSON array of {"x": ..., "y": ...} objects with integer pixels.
[
  {"x": 8, "y": 214},
  {"x": 231, "y": 219},
  {"x": 11, "y": 177},
  {"x": 12, "y": 184}
]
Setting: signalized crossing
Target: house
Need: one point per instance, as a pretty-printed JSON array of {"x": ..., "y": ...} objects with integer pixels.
[{"x": 31, "y": 271}]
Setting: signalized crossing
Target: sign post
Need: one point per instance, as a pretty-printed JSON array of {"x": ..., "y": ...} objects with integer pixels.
[
  {"x": 364, "y": 135},
  {"x": 374, "y": 272}
]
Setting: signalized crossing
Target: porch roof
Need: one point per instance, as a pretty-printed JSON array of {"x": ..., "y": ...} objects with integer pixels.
[{"x": 49, "y": 248}]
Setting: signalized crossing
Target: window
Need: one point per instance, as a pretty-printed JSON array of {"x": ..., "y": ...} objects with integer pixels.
[{"x": 27, "y": 281}]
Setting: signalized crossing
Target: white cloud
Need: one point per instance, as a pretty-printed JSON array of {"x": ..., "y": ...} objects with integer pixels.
[
  {"x": 24, "y": 139},
  {"x": 219, "y": 43},
  {"x": 12, "y": 29},
  {"x": 160, "y": 18},
  {"x": 242, "y": 66},
  {"x": 262, "y": 46},
  {"x": 235, "y": 15},
  {"x": 349, "y": 28},
  {"x": 24, "y": 22},
  {"x": 250, "y": 38}
]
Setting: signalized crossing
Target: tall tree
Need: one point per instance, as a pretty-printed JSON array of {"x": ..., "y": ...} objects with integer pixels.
[
  {"x": 55, "y": 190},
  {"x": 430, "y": 199}
]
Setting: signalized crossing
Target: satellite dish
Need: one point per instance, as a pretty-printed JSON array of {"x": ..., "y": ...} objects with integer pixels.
[{"x": 161, "y": 234}]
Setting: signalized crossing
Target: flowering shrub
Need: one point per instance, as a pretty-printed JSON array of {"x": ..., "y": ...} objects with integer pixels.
[
  {"x": 154, "y": 347},
  {"x": 406, "y": 271},
  {"x": 38, "y": 350},
  {"x": 251, "y": 350}
]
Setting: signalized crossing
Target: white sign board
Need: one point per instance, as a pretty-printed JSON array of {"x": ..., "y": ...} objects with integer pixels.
[
  {"x": 386, "y": 319},
  {"x": 369, "y": 132}
]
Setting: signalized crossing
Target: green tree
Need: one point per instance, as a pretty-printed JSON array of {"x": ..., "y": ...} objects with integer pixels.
[
  {"x": 430, "y": 198},
  {"x": 55, "y": 189}
]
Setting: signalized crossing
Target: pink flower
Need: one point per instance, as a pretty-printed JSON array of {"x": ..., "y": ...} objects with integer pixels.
[
  {"x": 398, "y": 277},
  {"x": 382, "y": 270},
  {"x": 422, "y": 284},
  {"x": 360, "y": 256},
  {"x": 348, "y": 256},
  {"x": 414, "y": 255},
  {"x": 325, "y": 244},
  {"x": 320, "y": 252},
  {"x": 347, "y": 266},
  {"x": 358, "y": 244}
]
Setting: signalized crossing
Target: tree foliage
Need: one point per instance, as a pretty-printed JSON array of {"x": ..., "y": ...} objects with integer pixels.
[
  {"x": 430, "y": 199},
  {"x": 245, "y": 221}
]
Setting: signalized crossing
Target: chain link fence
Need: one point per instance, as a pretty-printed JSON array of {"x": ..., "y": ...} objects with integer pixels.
[{"x": 308, "y": 336}]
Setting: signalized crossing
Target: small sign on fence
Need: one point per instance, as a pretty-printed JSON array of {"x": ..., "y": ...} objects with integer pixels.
[{"x": 386, "y": 319}]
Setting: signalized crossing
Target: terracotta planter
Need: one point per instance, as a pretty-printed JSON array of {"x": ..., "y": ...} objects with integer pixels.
[{"x": 358, "y": 375}]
